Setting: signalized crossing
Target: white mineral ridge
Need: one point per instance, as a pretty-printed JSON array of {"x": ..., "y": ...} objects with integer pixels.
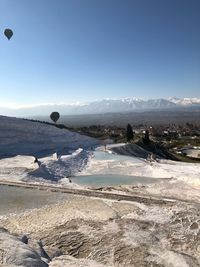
[
  {"x": 60, "y": 153},
  {"x": 70, "y": 261},
  {"x": 14, "y": 252},
  {"x": 23, "y": 137}
]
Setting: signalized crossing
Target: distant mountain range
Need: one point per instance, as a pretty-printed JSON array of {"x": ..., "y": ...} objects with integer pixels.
[
  {"x": 185, "y": 101},
  {"x": 104, "y": 106}
]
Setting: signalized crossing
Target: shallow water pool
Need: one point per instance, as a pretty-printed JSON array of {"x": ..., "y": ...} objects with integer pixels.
[
  {"x": 101, "y": 155},
  {"x": 16, "y": 199},
  {"x": 106, "y": 180}
]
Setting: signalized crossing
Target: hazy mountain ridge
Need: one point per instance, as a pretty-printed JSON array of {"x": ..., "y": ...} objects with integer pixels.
[
  {"x": 103, "y": 106},
  {"x": 186, "y": 101}
]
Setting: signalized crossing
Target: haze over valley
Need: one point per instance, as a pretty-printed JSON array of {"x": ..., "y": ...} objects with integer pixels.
[{"x": 103, "y": 106}]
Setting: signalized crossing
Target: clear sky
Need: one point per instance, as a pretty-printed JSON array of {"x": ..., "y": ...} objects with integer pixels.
[{"x": 83, "y": 50}]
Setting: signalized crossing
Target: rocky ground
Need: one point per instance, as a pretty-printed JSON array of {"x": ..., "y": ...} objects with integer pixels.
[{"x": 92, "y": 232}]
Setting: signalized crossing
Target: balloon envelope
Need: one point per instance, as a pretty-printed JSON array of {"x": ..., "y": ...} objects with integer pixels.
[
  {"x": 55, "y": 116},
  {"x": 8, "y": 33}
]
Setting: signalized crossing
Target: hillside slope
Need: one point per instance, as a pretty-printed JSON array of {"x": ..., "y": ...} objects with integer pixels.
[
  {"x": 23, "y": 137},
  {"x": 60, "y": 153}
]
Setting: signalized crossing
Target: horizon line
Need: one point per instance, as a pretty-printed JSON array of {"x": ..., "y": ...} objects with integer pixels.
[{"x": 15, "y": 106}]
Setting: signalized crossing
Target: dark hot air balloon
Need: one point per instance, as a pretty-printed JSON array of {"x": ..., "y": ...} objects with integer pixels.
[
  {"x": 55, "y": 116},
  {"x": 8, "y": 33}
]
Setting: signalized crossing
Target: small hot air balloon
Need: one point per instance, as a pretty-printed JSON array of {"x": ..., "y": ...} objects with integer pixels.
[
  {"x": 8, "y": 33},
  {"x": 55, "y": 116}
]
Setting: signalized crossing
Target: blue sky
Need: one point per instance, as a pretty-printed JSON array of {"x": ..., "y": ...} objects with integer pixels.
[{"x": 65, "y": 51}]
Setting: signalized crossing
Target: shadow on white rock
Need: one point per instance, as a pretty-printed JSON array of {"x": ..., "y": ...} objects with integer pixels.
[{"x": 13, "y": 252}]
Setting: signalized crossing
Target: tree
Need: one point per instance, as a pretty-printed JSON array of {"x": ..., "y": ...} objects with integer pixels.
[
  {"x": 146, "y": 139},
  {"x": 129, "y": 133}
]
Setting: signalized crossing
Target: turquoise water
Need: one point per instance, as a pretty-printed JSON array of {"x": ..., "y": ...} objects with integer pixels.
[
  {"x": 16, "y": 199},
  {"x": 101, "y": 155},
  {"x": 106, "y": 180},
  {"x": 112, "y": 179}
]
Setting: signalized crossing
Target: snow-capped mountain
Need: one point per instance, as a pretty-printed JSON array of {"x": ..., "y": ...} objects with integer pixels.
[
  {"x": 102, "y": 106},
  {"x": 129, "y": 104},
  {"x": 185, "y": 101}
]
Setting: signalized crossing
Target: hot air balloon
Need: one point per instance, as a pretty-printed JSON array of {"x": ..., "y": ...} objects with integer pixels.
[
  {"x": 8, "y": 33},
  {"x": 55, "y": 116}
]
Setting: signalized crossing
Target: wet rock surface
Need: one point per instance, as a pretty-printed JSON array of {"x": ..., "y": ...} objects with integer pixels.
[{"x": 111, "y": 233}]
